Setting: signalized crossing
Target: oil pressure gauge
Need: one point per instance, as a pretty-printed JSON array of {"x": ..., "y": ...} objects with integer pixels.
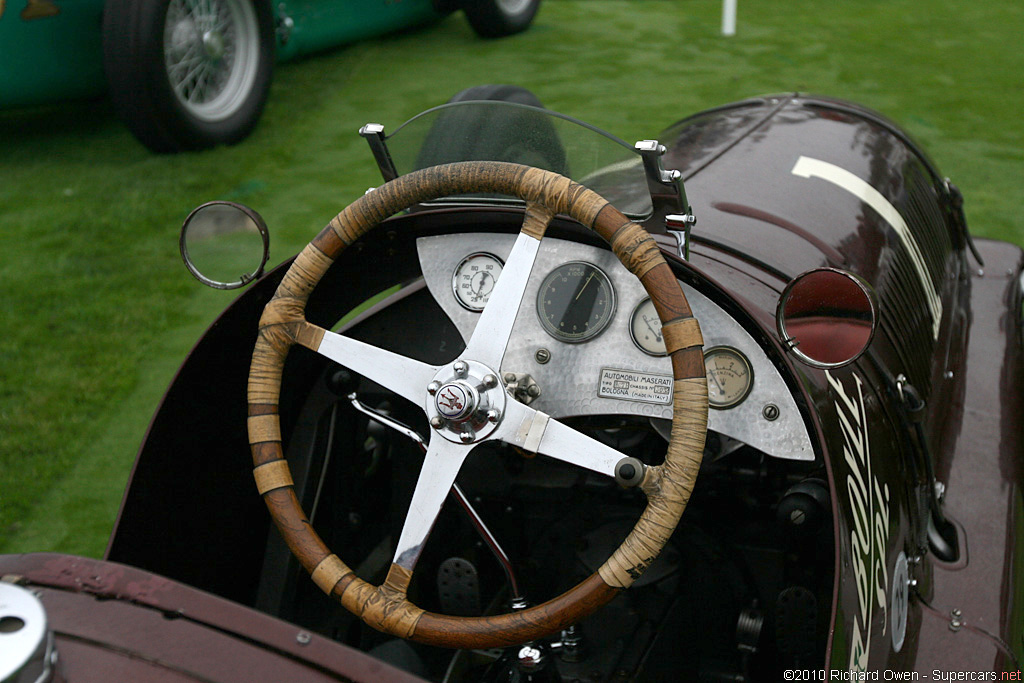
[
  {"x": 474, "y": 278},
  {"x": 645, "y": 329},
  {"x": 730, "y": 376}
]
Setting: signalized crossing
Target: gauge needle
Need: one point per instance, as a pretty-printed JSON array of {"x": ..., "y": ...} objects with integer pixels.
[
  {"x": 714, "y": 378},
  {"x": 584, "y": 286},
  {"x": 657, "y": 335},
  {"x": 483, "y": 280}
]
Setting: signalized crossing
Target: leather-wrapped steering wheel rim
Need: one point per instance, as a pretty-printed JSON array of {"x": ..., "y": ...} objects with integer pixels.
[{"x": 667, "y": 486}]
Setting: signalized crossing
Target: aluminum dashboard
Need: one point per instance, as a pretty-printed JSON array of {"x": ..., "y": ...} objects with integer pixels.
[{"x": 571, "y": 380}]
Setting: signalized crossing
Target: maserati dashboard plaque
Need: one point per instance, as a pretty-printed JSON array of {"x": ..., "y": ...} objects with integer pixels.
[{"x": 628, "y": 385}]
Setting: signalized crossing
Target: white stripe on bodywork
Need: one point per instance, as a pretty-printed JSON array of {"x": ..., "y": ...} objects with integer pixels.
[{"x": 807, "y": 168}]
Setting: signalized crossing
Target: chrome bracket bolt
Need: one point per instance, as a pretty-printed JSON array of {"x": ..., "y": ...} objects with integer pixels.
[
  {"x": 460, "y": 368},
  {"x": 490, "y": 381},
  {"x": 433, "y": 387},
  {"x": 493, "y": 415},
  {"x": 467, "y": 437},
  {"x": 436, "y": 422}
]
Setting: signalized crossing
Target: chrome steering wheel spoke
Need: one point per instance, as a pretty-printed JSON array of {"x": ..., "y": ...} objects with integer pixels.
[
  {"x": 441, "y": 465},
  {"x": 536, "y": 432},
  {"x": 493, "y": 330},
  {"x": 406, "y": 377}
]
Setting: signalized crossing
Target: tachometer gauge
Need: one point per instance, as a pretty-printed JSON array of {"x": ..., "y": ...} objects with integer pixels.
[
  {"x": 645, "y": 329},
  {"x": 474, "y": 278},
  {"x": 575, "y": 302},
  {"x": 730, "y": 376}
]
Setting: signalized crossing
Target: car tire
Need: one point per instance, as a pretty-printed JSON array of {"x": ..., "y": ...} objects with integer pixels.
[
  {"x": 497, "y": 18},
  {"x": 154, "y": 62}
]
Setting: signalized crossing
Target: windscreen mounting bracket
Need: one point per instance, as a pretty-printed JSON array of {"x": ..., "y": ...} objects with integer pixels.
[{"x": 374, "y": 134}]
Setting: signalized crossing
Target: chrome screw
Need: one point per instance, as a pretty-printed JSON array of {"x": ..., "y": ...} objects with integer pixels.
[
  {"x": 509, "y": 377},
  {"x": 436, "y": 422},
  {"x": 460, "y": 368},
  {"x": 493, "y": 415},
  {"x": 433, "y": 388},
  {"x": 542, "y": 356},
  {"x": 490, "y": 381},
  {"x": 955, "y": 621},
  {"x": 467, "y": 437},
  {"x": 771, "y": 412}
]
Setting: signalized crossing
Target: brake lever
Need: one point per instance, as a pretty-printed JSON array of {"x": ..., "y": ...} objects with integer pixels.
[{"x": 460, "y": 497}]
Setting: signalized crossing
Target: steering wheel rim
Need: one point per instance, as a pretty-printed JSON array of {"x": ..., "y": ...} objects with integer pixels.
[{"x": 667, "y": 486}]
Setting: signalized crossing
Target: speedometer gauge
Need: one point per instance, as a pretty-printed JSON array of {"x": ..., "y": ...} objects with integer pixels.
[
  {"x": 575, "y": 302},
  {"x": 730, "y": 376},
  {"x": 474, "y": 278}
]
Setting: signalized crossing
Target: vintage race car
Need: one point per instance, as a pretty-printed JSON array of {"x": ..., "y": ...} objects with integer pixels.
[
  {"x": 477, "y": 404},
  {"x": 190, "y": 75}
]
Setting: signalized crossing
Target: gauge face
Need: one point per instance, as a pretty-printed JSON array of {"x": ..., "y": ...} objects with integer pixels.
[
  {"x": 730, "y": 376},
  {"x": 474, "y": 278},
  {"x": 575, "y": 302},
  {"x": 645, "y": 329}
]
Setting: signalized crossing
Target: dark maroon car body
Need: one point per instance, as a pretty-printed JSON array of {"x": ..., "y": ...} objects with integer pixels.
[{"x": 900, "y": 574}]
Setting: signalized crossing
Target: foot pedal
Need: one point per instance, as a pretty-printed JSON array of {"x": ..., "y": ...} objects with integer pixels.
[{"x": 458, "y": 587}]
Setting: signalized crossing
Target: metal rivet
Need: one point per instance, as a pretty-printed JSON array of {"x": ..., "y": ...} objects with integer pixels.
[
  {"x": 433, "y": 388},
  {"x": 509, "y": 377},
  {"x": 770, "y": 412},
  {"x": 542, "y": 356},
  {"x": 303, "y": 638},
  {"x": 493, "y": 415},
  {"x": 460, "y": 367},
  {"x": 490, "y": 381},
  {"x": 436, "y": 422},
  {"x": 467, "y": 437}
]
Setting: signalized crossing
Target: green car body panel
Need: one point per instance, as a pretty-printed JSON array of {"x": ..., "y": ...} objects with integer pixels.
[{"x": 53, "y": 50}]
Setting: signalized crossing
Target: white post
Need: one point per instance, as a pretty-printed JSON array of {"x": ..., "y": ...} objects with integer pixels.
[{"x": 728, "y": 17}]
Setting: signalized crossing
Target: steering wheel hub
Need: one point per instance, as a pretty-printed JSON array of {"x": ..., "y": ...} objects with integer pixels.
[
  {"x": 456, "y": 401},
  {"x": 465, "y": 401}
]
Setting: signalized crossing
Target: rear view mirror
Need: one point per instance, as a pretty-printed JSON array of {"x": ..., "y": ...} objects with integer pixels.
[
  {"x": 224, "y": 245},
  {"x": 827, "y": 317}
]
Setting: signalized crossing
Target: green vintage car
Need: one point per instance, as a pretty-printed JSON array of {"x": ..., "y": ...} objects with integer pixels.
[{"x": 191, "y": 74}]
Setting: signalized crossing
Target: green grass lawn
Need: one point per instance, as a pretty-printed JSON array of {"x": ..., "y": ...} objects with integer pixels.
[{"x": 97, "y": 310}]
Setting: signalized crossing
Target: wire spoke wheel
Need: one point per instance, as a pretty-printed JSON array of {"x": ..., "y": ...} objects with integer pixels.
[
  {"x": 211, "y": 50},
  {"x": 188, "y": 74}
]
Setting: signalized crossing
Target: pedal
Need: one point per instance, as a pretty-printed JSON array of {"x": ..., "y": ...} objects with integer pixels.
[{"x": 458, "y": 587}]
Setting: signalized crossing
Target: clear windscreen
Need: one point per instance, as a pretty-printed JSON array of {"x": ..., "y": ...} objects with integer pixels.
[{"x": 503, "y": 131}]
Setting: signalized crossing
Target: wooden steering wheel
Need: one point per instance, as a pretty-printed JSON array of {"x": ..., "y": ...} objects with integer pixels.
[{"x": 467, "y": 404}]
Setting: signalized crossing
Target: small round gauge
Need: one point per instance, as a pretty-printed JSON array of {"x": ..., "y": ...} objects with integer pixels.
[
  {"x": 730, "y": 376},
  {"x": 576, "y": 302},
  {"x": 474, "y": 278},
  {"x": 645, "y": 329}
]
